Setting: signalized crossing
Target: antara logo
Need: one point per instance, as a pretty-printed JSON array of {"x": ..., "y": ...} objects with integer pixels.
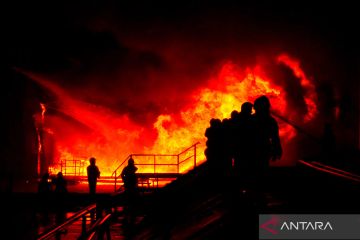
[
  {"x": 271, "y": 225},
  {"x": 305, "y": 226}
]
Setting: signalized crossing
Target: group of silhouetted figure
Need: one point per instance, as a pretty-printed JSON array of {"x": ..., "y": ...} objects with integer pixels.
[
  {"x": 52, "y": 195},
  {"x": 46, "y": 184},
  {"x": 53, "y": 191},
  {"x": 243, "y": 145}
]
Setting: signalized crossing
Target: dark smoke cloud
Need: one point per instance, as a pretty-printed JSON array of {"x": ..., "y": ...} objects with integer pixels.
[
  {"x": 147, "y": 58},
  {"x": 111, "y": 53}
]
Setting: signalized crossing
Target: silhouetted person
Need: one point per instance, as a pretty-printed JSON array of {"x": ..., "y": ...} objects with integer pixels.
[
  {"x": 60, "y": 199},
  {"x": 128, "y": 175},
  {"x": 44, "y": 187},
  {"x": 246, "y": 109},
  {"x": 230, "y": 134},
  {"x": 93, "y": 174},
  {"x": 214, "y": 145},
  {"x": 129, "y": 178},
  {"x": 227, "y": 147},
  {"x": 243, "y": 161},
  {"x": 266, "y": 140},
  {"x": 44, "y": 192},
  {"x": 328, "y": 144},
  {"x": 60, "y": 184}
]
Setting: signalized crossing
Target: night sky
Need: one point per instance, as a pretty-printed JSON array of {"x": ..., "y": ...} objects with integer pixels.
[{"x": 112, "y": 53}]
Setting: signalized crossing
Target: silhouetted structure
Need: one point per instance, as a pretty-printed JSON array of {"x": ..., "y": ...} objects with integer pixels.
[{"x": 93, "y": 174}]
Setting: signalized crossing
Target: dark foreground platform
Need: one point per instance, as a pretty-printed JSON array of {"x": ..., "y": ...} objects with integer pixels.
[{"x": 197, "y": 206}]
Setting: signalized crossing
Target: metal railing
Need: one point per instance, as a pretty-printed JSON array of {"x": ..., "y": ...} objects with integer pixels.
[
  {"x": 72, "y": 167},
  {"x": 99, "y": 229},
  {"x": 56, "y": 231},
  {"x": 155, "y": 163},
  {"x": 331, "y": 170}
]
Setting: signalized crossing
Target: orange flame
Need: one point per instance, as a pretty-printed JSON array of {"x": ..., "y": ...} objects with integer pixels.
[
  {"x": 39, "y": 140},
  {"x": 43, "y": 110},
  {"x": 115, "y": 136}
]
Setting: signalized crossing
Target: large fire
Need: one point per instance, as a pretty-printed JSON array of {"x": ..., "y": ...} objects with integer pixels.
[{"x": 111, "y": 137}]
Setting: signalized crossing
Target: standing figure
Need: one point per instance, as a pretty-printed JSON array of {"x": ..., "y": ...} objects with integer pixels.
[
  {"x": 44, "y": 188},
  {"x": 214, "y": 147},
  {"x": 93, "y": 174},
  {"x": 243, "y": 159},
  {"x": 61, "y": 198},
  {"x": 129, "y": 178},
  {"x": 60, "y": 184},
  {"x": 44, "y": 193},
  {"x": 266, "y": 140}
]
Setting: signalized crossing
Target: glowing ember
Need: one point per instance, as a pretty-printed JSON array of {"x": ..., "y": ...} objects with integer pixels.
[
  {"x": 111, "y": 137},
  {"x": 43, "y": 110}
]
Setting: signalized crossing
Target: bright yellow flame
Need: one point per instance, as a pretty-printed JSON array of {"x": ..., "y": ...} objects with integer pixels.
[{"x": 116, "y": 136}]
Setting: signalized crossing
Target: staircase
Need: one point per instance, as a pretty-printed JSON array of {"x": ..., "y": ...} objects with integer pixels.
[{"x": 158, "y": 168}]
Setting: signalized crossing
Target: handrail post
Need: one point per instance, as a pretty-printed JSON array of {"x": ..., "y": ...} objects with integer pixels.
[
  {"x": 154, "y": 165},
  {"x": 195, "y": 156},
  {"x": 115, "y": 181},
  {"x": 178, "y": 163},
  {"x": 92, "y": 214},
  {"x": 108, "y": 234},
  {"x": 83, "y": 225}
]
